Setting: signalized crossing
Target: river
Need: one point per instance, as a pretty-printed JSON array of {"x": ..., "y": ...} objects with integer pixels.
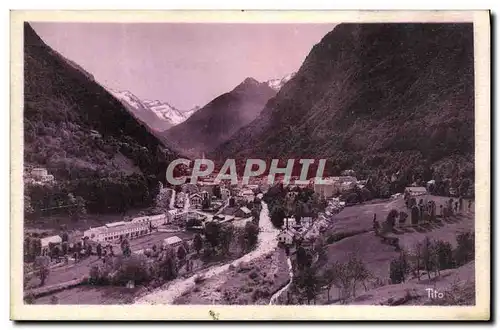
[
  {"x": 275, "y": 296},
  {"x": 266, "y": 244}
]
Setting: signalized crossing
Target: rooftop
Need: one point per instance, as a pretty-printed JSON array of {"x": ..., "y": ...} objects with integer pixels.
[
  {"x": 172, "y": 240},
  {"x": 115, "y": 224}
]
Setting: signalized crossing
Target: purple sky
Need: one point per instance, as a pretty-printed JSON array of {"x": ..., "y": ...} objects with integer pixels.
[{"x": 184, "y": 64}]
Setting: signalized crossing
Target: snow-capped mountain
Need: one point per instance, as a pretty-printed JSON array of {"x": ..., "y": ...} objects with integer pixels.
[
  {"x": 165, "y": 111},
  {"x": 276, "y": 84},
  {"x": 156, "y": 114}
]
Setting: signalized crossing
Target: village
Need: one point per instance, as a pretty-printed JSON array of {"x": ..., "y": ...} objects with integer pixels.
[{"x": 190, "y": 212}]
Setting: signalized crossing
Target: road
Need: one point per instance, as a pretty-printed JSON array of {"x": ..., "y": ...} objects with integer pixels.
[{"x": 267, "y": 243}]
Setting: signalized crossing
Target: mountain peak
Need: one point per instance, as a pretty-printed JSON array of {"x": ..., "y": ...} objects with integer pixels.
[
  {"x": 249, "y": 82},
  {"x": 277, "y": 84}
]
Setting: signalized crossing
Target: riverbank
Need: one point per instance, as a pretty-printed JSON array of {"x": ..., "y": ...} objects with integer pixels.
[
  {"x": 251, "y": 283},
  {"x": 266, "y": 243}
]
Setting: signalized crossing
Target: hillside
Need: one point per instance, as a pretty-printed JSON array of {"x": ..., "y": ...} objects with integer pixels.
[
  {"x": 220, "y": 119},
  {"x": 78, "y": 130},
  {"x": 373, "y": 96}
]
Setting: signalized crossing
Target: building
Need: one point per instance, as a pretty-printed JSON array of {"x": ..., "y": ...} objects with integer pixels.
[
  {"x": 248, "y": 195},
  {"x": 155, "y": 220},
  {"x": 190, "y": 188},
  {"x": 180, "y": 199},
  {"x": 173, "y": 242},
  {"x": 46, "y": 241},
  {"x": 334, "y": 185},
  {"x": 196, "y": 201},
  {"x": 287, "y": 236},
  {"x": 39, "y": 172},
  {"x": 416, "y": 191},
  {"x": 40, "y": 175},
  {"x": 118, "y": 230},
  {"x": 243, "y": 212},
  {"x": 225, "y": 193}
]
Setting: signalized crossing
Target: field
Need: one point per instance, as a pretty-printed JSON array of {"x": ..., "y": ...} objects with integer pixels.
[
  {"x": 73, "y": 271},
  {"x": 91, "y": 295},
  {"x": 156, "y": 239},
  {"x": 352, "y": 233}
]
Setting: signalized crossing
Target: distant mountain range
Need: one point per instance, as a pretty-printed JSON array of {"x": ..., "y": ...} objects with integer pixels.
[
  {"x": 156, "y": 114},
  {"x": 373, "y": 96},
  {"x": 75, "y": 128},
  {"x": 220, "y": 119}
]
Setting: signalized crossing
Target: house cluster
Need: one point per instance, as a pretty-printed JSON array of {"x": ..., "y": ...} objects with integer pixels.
[
  {"x": 332, "y": 186},
  {"x": 115, "y": 231},
  {"x": 39, "y": 175}
]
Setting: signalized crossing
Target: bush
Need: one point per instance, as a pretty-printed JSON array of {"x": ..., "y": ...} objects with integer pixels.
[
  {"x": 253, "y": 274},
  {"x": 465, "y": 248},
  {"x": 444, "y": 255},
  {"x": 199, "y": 279}
]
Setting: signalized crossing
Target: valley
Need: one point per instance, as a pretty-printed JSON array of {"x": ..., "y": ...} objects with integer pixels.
[{"x": 389, "y": 220}]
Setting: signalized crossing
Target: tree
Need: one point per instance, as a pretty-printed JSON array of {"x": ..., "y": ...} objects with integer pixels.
[
  {"x": 54, "y": 252},
  {"x": 197, "y": 243},
  {"x": 278, "y": 216},
  {"x": 299, "y": 211},
  {"x": 307, "y": 284},
  {"x": 212, "y": 233},
  {"x": 225, "y": 237},
  {"x": 415, "y": 215},
  {"x": 217, "y": 191},
  {"x": 42, "y": 269},
  {"x": 302, "y": 257},
  {"x": 418, "y": 258},
  {"x": 181, "y": 253},
  {"x": 427, "y": 256},
  {"x": 205, "y": 204},
  {"x": 399, "y": 267},
  {"x": 444, "y": 255},
  {"x": 36, "y": 248},
  {"x": 99, "y": 250},
  {"x": 167, "y": 264},
  {"x": 357, "y": 272},
  {"x": 464, "y": 251},
  {"x": 331, "y": 277},
  {"x": 251, "y": 235},
  {"x": 402, "y": 217},
  {"x": 80, "y": 210},
  {"x": 125, "y": 246},
  {"x": 391, "y": 218}
]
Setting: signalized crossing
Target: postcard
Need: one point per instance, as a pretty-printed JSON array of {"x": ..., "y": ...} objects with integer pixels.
[{"x": 250, "y": 165}]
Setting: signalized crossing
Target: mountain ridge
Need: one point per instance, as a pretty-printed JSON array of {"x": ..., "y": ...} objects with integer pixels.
[
  {"x": 379, "y": 96},
  {"x": 220, "y": 118}
]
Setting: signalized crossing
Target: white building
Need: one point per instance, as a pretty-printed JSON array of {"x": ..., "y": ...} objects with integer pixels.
[
  {"x": 416, "y": 191},
  {"x": 248, "y": 195},
  {"x": 334, "y": 185},
  {"x": 243, "y": 212},
  {"x": 225, "y": 193},
  {"x": 39, "y": 172},
  {"x": 173, "y": 242},
  {"x": 116, "y": 230},
  {"x": 196, "y": 200},
  {"x": 286, "y": 236},
  {"x": 155, "y": 220},
  {"x": 46, "y": 241}
]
